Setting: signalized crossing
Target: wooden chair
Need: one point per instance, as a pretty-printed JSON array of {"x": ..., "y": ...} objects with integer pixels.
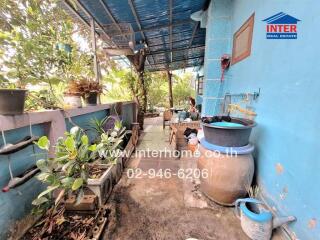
[{"x": 167, "y": 116}]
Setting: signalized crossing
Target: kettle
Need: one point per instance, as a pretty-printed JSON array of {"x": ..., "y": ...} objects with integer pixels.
[{"x": 256, "y": 220}]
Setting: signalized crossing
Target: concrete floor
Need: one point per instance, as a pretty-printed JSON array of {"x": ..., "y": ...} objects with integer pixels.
[{"x": 165, "y": 208}]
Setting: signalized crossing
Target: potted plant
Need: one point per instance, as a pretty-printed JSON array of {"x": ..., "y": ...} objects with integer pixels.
[
  {"x": 66, "y": 174},
  {"x": 90, "y": 91},
  {"x": 72, "y": 97},
  {"x": 68, "y": 171},
  {"x": 109, "y": 145},
  {"x": 87, "y": 89},
  {"x": 28, "y": 59},
  {"x": 12, "y": 101},
  {"x": 12, "y": 98}
]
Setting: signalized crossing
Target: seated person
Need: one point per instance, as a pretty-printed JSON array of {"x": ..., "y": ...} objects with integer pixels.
[
  {"x": 192, "y": 114},
  {"x": 192, "y": 103}
]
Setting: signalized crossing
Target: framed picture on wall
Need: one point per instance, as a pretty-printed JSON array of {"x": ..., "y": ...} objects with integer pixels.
[{"x": 242, "y": 40}]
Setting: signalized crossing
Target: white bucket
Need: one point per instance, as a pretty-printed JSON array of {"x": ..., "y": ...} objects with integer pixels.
[{"x": 71, "y": 101}]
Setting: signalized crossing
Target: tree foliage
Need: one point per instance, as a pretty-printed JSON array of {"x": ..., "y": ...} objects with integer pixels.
[
  {"x": 31, "y": 32},
  {"x": 182, "y": 89},
  {"x": 120, "y": 84},
  {"x": 157, "y": 88},
  {"x": 124, "y": 85}
]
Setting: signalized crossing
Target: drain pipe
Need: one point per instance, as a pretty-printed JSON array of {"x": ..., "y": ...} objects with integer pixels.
[{"x": 202, "y": 15}]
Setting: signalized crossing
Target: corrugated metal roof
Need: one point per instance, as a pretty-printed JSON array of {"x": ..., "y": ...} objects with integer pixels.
[{"x": 174, "y": 40}]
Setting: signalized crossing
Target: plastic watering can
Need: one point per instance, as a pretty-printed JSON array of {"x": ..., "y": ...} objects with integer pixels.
[{"x": 256, "y": 220}]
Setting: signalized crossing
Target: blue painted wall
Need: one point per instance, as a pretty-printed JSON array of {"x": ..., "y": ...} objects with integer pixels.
[
  {"x": 287, "y": 71},
  {"x": 16, "y": 204},
  {"x": 218, "y": 42},
  {"x": 85, "y": 122}
]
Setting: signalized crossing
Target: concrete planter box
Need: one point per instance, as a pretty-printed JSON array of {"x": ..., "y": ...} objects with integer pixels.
[
  {"x": 117, "y": 170},
  {"x": 130, "y": 147},
  {"x": 89, "y": 202},
  {"x": 102, "y": 187},
  {"x": 128, "y": 151}
]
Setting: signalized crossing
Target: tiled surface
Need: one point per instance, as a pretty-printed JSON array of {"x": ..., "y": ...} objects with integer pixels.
[{"x": 154, "y": 137}]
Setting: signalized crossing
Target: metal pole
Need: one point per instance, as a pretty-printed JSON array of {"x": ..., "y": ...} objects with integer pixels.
[{"x": 94, "y": 48}]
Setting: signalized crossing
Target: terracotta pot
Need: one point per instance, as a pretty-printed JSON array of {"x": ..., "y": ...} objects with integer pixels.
[{"x": 228, "y": 175}]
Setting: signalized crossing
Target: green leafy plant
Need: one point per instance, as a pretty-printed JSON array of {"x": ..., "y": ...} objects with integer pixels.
[
  {"x": 68, "y": 170},
  {"x": 84, "y": 87},
  {"x": 109, "y": 141},
  {"x": 38, "y": 100}
]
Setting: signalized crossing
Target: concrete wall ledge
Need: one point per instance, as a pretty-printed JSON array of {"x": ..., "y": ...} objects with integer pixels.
[
  {"x": 23, "y": 120},
  {"x": 54, "y": 121}
]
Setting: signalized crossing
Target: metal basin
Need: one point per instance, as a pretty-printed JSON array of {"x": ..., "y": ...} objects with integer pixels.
[{"x": 229, "y": 134}]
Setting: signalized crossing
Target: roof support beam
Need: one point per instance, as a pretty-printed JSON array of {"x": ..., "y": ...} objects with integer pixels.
[
  {"x": 166, "y": 55},
  {"x": 134, "y": 12},
  {"x": 167, "y": 35},
  {"x": 193, "y": 33},
  {"x": 179, "y": 60},
  {"x": 106, "y": 9},
  {"x": 192, "y": 37},
  {"x": 179, "y": 49},
  {"x": 82, "y": 20},
  {"x": 178, "y": 23},
  {"x": 94, "y": 46},
  {"x": 170, "y": 28},
  {"x": 155, "y": 28},
  {"x": 79, "y": 4},
  {"x": 160, "y": 68},
  {"x": 169, "y": 76},
  {"x": 150, "y": 46},
  {"x": 110, "y": 15}
]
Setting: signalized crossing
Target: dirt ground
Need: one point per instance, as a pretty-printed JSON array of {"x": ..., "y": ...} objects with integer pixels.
[
  {"x": 165, "y": 208},
  {"x": 156, "y": 209}
]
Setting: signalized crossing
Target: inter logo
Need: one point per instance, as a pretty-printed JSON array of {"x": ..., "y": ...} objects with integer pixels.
[{"x": 281, "y": 26}]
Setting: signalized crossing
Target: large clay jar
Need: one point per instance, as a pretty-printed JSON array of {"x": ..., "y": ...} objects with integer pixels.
[{"x": 229, "y": 175}]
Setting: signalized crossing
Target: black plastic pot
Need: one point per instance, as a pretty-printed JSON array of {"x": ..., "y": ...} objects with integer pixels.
[
  {"x": 229, "y": 136},
  {"x": 12, "y": 101},
  {"x": 91, "y": 99}
]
